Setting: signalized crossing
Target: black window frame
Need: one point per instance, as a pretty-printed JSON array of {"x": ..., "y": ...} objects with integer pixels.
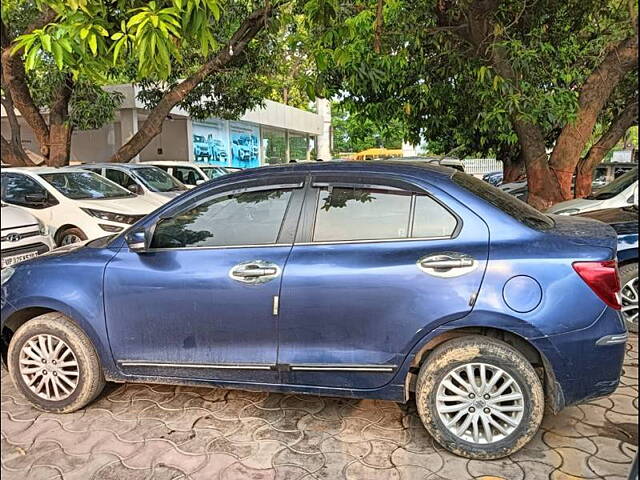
[
  {"x": 287, "y": 229},
  {"x": 306, "y": 228}
]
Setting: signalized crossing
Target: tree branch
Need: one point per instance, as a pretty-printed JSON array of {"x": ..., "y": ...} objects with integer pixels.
[
  {"x": 152, "y": 126},
  {"x": 626, "y": 119}
]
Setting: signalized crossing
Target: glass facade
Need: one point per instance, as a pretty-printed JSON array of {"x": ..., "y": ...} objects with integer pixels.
[
  {"x": 298, "y": 147},
  {"x": 274, "y": 145}
]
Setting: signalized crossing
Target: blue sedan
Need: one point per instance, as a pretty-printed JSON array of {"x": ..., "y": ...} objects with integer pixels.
[{"x": 378, "y": 280}]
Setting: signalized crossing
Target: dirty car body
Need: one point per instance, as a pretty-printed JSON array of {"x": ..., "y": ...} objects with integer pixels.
[{"x": 316, "y": 302}]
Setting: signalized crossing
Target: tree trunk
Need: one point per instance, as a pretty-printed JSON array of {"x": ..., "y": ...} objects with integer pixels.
[
  {"x": 621, "y": 124},
  {"x": 12, "y": 152},
  {"x": 594, "y": 94},
  {"x": 14, "y": 79},
  {"x": 152, "y": 126},
  {"x": 59, "y": 126},
  {"x": 512, "y": 163}
]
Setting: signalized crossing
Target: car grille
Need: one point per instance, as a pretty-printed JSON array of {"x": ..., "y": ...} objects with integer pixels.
[
  {"x": 34, "y": 247},
  {"x": 16, "y": 237}
]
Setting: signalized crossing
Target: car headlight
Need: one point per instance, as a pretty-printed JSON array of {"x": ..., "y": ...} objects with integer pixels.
[
  {"x": 112, "y": 216},
  {"x": 568, "y": 211},
  {"x": 6, "y": 274}
]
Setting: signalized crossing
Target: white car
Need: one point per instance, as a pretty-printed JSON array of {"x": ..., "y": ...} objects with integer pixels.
[
  {"x": 188, "y": 173},
  {"x": 622, "y": 192},
  {"x": 23, "y": 236},
  {"x": 74, "y": 204},
  {"x": 149, "y": 182}
]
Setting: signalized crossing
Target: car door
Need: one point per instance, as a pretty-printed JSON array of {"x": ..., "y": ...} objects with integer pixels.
[
  {"x": 199, "y": 303},
  {"x": 377, "y": 265},
  {"x": 123, "y": 179}
]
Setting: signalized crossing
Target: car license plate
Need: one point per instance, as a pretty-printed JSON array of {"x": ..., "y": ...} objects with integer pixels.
[{"x": 8, "y": 261}]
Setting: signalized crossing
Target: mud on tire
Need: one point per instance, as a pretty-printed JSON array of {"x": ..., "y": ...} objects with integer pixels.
[
  {"x": 441, "y": 396},
  {"x": 54, "y": 343}
]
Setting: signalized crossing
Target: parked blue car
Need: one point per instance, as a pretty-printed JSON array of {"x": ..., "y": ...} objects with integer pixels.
[
  {"x": 625, "y": 222},
  {"x": 367, "y": 280}
]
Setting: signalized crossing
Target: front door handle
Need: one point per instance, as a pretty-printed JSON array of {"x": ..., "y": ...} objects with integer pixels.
[
  {"x": 254, "y": 272},
  {"x": 447, "y": 264}
]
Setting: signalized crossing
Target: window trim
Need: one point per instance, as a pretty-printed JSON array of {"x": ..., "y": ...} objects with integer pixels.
[
  {"x": 305, "y": 235},
  {"x": 52, "y": 200},
  {"x": 294, "y": 204}
]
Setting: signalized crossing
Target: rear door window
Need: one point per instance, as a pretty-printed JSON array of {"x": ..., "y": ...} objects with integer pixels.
[
  {"x": 118, "y": 176},
  {"x": 506, "y": 202}
]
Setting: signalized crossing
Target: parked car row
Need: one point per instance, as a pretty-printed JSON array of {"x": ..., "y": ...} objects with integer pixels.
[{"x": 88, "y": 201}]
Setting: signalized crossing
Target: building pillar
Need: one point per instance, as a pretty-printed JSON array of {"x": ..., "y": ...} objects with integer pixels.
[
  {"x": 287, "y": 147},
  {"x": 323, "y": 106},
  {"x": 189, "y": 133},
  {"x": 308, "y": 139},
  {"x": 128, "y": 127}
]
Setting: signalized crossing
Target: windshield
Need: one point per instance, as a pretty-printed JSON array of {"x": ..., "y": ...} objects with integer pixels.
[
  {"x": 214, "y": 172},
  {"x": 158, "y": 180},
  {"x": 616, "y": 187},
  {"x": 509, "y": 204},
  {"x": 85, "y": 186}
]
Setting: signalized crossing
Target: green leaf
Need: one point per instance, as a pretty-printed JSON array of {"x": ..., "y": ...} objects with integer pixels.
[
  {"x": 84, "y": 32},
  {"x": 93, "y": 44},
  {"x": 31, "y": 59},
  {"x": 117, "y": 36},
  {"x": 58, "y": 55},
  {"x": 46, "y": 42}
]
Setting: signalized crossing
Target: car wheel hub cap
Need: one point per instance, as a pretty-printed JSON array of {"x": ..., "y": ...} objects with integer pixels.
[
  {"x": 480, "y": 403},
  {"x": 630, "y": 301},
  {"x": 49, "y": 367},
  {"x": 69, "y": 239}
]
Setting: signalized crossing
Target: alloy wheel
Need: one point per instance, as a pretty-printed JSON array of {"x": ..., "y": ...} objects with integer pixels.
[
  {"x": 480, "y": 403},
  {"x": 629, "y": 294},
  {"x": 69, "y": 239},
  {"x": 49, "y": 367}
]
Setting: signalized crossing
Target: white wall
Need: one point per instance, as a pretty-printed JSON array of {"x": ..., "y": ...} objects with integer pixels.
[{"x": 174, "y": 142}]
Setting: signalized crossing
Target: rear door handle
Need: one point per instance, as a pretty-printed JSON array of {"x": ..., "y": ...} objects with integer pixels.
[
  {"x": 254, "y": 272},
  {"x": 447, "y": 264}
]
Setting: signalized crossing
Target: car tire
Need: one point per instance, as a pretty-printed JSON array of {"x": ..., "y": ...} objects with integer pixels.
[
  {"x": 439, "y": 397},
  {"x": 69, "y": 236},
  {"x": 58, "y": 341},
  {"x": 629, "y": 292}
]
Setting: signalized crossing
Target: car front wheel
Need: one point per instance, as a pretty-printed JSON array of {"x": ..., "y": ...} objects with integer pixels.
[
  {"x": 479, "y": 398},
  {"x": 70, "y": 236},
  {"x": 54, "y": 365}
]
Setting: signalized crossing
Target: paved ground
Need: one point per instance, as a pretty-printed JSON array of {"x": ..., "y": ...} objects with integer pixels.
[{"x": 157, "y": 432}]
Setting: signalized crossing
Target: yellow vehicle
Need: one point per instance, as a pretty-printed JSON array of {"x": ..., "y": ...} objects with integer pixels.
[{"x": 373, "y": 153}]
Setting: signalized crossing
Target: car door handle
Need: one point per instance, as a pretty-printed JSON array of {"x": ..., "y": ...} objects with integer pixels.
[
  {"x": 254, "y": 272},
  {"x": 447, "y": 264}
]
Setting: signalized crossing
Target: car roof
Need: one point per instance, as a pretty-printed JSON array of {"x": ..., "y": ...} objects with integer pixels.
[
  {"x": 123, "y": 166},
  {"x": 43, "y": 170},
  {"x": 169, "y": 163},
  {"x": 420, "y": 169}
]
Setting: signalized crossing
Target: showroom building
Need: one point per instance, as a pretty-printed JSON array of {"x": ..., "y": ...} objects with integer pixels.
[{"x": 273, "y": 133}]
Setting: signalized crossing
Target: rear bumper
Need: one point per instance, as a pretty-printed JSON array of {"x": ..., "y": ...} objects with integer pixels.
[{"x": 586, "y": 363}]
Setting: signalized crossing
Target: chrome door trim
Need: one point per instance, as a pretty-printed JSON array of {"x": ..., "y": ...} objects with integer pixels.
[
  {"x": 342, "y": 368},
  {"x": 447, "y": 264},
  {"x": 258, "y": 279},
  {"x": 212, "y": 366}
]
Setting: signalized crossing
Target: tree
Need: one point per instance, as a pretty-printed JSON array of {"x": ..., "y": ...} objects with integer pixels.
[
  {"x": 40, "y": 83},
  {"x": 204, "y": 55},
  {"x": 526, "y": 79},
  {"x": 354, "y": 132}
]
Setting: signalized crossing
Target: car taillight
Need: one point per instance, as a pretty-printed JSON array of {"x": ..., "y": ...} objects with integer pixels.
[{"x": 603, "y": 279}]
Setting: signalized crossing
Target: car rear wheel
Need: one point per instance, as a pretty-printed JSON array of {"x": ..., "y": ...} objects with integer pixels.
[
  {"x": 629, "y": 293},
  {"x": 54, "y": 365},
  {"x": 479, "y": 398},
  {"x": 71, "y": 235}
]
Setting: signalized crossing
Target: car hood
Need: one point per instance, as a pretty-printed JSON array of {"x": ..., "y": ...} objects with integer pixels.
[
  {"x": 133, "y": 206},
  {"x": 15, "y": 217},
  {"x": 171, "y": 194},
  {"x": 623, "y": 220},
  {"x": 578, "y": 203}
]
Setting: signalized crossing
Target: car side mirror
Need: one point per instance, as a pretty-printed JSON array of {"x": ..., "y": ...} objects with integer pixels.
[
  {"x": 137, "y": 241},
  {"x": 200, "y": 182},
  {"x": 37, "y": 199}
]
